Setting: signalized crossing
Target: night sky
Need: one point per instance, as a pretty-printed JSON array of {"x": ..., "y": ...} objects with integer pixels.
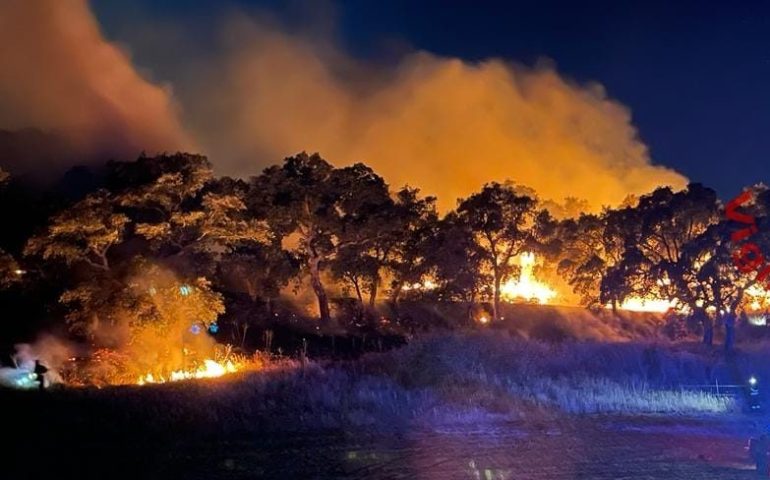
[{"x": 694, "y": 75}]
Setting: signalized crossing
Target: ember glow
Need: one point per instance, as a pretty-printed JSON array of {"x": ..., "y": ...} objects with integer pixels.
[
  {"x": 208, "y": 369},
  {"x": 527, "y": 287}
]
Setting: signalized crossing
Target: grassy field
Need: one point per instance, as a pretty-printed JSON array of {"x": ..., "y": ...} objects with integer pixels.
[{"x": 478, "y": 382}]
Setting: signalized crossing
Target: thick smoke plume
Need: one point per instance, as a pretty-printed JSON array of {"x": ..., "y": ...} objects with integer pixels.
[
  {"x": 442, "y": 124},
  {"x": 60, "y": 75}
]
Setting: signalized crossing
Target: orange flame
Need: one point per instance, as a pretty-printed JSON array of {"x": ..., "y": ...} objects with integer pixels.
[
  {"x": 209, "y": 369},
  {"x": 642, "y": 304},
  {"x": 527, "y": 287}
]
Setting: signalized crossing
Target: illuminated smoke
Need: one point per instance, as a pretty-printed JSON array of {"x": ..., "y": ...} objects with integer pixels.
[
  {"x": 442, "y": 124},
  {"x": 60, "y": 75}
]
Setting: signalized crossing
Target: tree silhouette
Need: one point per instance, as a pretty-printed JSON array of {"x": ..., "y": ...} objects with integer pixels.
[{"x": 504, "y": 224}]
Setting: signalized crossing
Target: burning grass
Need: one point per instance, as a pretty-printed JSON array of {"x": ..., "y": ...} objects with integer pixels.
[{"x": 106, "y": 367}]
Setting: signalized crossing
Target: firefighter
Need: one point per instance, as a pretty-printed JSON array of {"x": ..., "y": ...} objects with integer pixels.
[
  {"x": 758, "y": 448},
  {"x": 40, "y": 371}
]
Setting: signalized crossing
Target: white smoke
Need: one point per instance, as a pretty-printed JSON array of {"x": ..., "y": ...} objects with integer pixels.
[{"x": 52, "y": 352}]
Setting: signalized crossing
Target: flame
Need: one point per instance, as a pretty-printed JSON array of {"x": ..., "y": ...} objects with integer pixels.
[
  {"x": 758, "y": 298},
  {"x": 527, "y": 287},
  {"x": 642, "y": 304},
  {"x": 423, "y": 286},
  {"x": 650, "y": 303},
  {"x": 208, "y": 369}
]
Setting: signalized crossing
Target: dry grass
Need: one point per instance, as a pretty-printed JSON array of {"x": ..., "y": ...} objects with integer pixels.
[
  {"x": 626, "y": 378},
  {"x": 441, "y": 379}
]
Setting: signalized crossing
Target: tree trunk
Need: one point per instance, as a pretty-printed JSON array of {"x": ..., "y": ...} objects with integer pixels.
[
  {"x": 708, "y": 330},
  {"x": 373, "y": 292},
  {"x": 320, "y": 292},
  {"x": 395, "y": 295},
  {"x": 354, "y": 281},
  {"x": 496, "y": 303},
  {"x": 729, "y": 321},
  {"x": 243, "y": 338}
]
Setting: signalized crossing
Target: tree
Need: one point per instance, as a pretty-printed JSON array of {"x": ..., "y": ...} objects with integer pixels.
[
  {"x": 590, "y": 247},
  {"x": 162, "y": 200},
  {"x": 456, "y": 261},
  {"x": 385, "y": 238},
  {"x": 370, "y": 225},
  {"x": 156, "y": 320},
  {"x": 709, "y": 280},
  {"x": 259, "y": 271},
  {"x": 504, "y": 224},
  {"x": 325, "y": 209},
  {"x": 184, "y": 211},
  {"x": 9, "y": 269},
  {"x": 413, "y": 239},
  {"x": 297, "y": 199},
  {"x": 677, "y": 247},
  {"x": 84, "y": 233},
  {"x": 358, "y": 269}
]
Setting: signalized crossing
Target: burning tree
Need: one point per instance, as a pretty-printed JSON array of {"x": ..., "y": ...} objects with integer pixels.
[
  {"x": 154, "y": 321},
  {"x": 163, "y": 210},
  {"x": 674, "y": 246},
  {"x": 457, "y": 261},
  {"x": 387, "y": 239},
  {"x": 413, "y": 234},
  {"x": 590, "y": 246},
  {"x": 504, "y": 224}
]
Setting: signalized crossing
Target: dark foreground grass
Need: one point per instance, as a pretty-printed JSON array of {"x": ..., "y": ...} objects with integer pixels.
[
  {"x": 450, "y": 405},
  {"x": 439, "y": 379}
]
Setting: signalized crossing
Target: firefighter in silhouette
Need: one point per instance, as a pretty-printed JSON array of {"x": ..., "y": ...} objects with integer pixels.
[
  {"x": 40, "y": 371},
  {"x": 758, "y": 448}
]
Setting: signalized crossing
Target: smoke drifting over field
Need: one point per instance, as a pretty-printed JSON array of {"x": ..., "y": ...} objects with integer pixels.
[{"x": 442, "y": 124}]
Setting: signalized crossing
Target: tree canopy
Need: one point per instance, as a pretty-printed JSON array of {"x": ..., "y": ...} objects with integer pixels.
[{"x": 345, "y": 232}]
